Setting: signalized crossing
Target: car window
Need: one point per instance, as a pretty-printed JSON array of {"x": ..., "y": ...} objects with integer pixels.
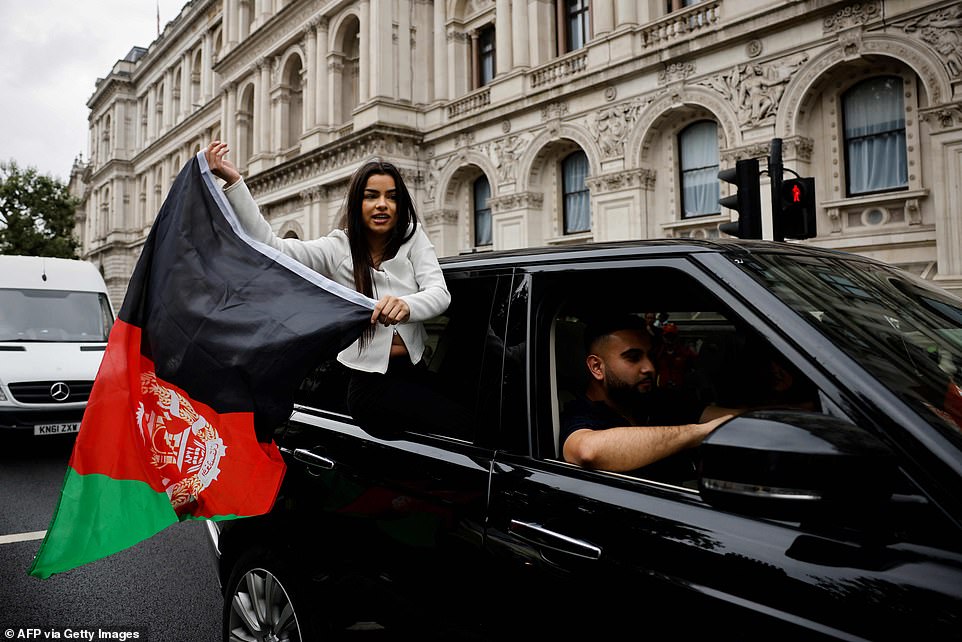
[
  {"x": 702, "y": 353},
  {"x": 462, "y": 354},
  {"x": 464, "y": 351}
]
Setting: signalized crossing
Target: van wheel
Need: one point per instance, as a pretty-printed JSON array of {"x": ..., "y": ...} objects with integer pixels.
[{"x": 262, "y": 603}]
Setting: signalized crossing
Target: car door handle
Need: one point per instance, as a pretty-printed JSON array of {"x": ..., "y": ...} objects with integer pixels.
[
  {"x": 313, "y": 459},
  {"x": 541, "y": 536}
]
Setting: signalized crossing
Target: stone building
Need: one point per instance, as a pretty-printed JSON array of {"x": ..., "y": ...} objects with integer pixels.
[{"x": 538, "y": 122}]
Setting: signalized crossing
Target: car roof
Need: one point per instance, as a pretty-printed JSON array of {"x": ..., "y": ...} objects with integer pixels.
[{"x": 637, "y": 249}]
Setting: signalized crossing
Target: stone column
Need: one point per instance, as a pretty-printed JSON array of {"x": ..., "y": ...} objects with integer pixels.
[
  {"x": 168, "y": 99},
  {"x": 503, "y": 45},
  {"x": 440, "y": 53},
  {"x": 404, "y": 55},
  {"x": 310, "y": 70},
  {"x": 229, "y": 122},
  {"x": 186, "y": 99},
  {"x": 206, "y": 68},
  {"x": 618, "y": 204},
  {"x": 365, "y": 64},
  {"x": 520, "y": 34},
  {"x": 473, "y": 61},
  {"x": 231, "y": 11},
  {"x": 441, "y": 226},
  {"x": 515, "y": 220},
  {"x": 262, "y": 112},
  {"x": 323, "y": 89},
  {"x": 602, "y": 16},
  {"x": 627, "y": 12}
]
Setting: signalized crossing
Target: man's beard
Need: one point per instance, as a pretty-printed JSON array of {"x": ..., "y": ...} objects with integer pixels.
[{"x": 623, "y": 393}]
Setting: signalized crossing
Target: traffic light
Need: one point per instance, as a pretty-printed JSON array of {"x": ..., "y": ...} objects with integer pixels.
[
  {"x": 798, "y": 208},
  {"x": 747, "y": 201}
]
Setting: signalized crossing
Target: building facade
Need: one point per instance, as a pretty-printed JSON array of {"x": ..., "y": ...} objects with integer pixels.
[{"x": 536, "y": 122}]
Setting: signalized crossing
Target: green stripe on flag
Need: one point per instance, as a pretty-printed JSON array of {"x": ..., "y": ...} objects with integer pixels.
[{"x": 98, "y": 516}]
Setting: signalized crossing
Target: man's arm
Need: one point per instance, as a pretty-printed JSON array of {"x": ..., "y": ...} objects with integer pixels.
[{"x": 629, "y": 447}]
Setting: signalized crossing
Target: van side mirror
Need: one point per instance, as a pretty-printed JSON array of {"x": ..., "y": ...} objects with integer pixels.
[{"x": 794, "y": 465}]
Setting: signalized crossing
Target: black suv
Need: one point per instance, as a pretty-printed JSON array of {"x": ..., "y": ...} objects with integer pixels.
[{"x": 838, "y": 518}]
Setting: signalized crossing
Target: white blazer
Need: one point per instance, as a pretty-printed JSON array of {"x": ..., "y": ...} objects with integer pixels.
[{"x": 413, "y": 275}]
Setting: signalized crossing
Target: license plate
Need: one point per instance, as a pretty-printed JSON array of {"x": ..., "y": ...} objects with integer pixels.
[{"x": 56, "y": 429}]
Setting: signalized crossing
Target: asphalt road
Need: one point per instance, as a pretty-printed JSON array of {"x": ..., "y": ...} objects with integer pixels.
[{"x": 164, "y": 588}]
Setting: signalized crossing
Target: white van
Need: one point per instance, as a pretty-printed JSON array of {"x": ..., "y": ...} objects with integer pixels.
[{"x": 55, "y": 316}]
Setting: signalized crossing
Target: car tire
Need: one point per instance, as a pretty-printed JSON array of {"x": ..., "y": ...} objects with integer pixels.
[{"x": 264, "y": 600}]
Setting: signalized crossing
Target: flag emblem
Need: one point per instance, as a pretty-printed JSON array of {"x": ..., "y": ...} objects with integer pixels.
[{"x": 183, "y": 445}]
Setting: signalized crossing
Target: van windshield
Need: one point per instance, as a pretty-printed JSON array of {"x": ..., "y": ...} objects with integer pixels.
[{"x": 54, "y": 316}]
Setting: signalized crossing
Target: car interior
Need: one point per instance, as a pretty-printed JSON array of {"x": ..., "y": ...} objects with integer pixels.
[{"x": 699, "y": 346}]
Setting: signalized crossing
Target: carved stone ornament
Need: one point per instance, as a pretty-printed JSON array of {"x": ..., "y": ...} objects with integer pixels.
[
  {"x": 504, "y": 153},
  {"x": 611, "y": 126},
  {"x": 754, "y": 48},
  {"x": 441, "y": 217},
  {"x": 755, "y": 89},
  {"x": 942, "y": 31},
  {"x": 675, "y": 71},
  {"x": 850, "y": 41},
  {"x": 852, "y": 15},
  {"x": 519, "y": 201},
  {"x": 643, "y": 178},
  {"x": 942, "y": 117}
]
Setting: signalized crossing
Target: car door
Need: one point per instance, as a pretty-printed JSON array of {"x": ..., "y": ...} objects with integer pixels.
[
  {"x": 405, "y": 515},
  {"x": 621, "y": 553}
]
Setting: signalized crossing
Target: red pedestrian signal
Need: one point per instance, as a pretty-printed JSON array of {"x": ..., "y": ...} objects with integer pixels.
[{"x": 798, "y": 208}]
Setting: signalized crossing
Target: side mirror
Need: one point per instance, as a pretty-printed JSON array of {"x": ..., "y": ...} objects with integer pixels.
[{"x": 794, "y": 465}]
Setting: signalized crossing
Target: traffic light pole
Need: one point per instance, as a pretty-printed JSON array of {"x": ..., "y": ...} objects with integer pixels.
[{"x": 775, "y": 174}]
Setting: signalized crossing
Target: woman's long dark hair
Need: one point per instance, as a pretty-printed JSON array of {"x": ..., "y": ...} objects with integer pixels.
[{"x": 353, "y": 222}]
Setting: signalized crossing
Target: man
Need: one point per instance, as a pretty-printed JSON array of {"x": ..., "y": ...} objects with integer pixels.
[{"x": 624, "y": 422}]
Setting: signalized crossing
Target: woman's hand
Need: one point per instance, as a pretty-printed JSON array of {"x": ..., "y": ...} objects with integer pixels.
[
  {"x": 390, "y": 310},
  {"x": 219, "y": 165}
]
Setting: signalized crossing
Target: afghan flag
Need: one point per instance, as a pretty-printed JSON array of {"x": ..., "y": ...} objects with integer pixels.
[{"x": 214, "y": 336}]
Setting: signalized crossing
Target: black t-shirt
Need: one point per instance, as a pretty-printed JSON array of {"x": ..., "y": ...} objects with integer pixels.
[{"x": 660, "y": 407}]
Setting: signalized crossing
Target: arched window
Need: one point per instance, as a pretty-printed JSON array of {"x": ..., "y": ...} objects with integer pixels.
[
  {"x": 698, "y": 163},
  {"x": 576, "y": 204},
  {"x": 873, "y": 114},
  {"x": 482, "y": 212}
]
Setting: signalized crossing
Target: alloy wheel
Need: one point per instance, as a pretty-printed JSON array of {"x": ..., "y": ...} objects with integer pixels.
[{"x": 262, "y": 611}]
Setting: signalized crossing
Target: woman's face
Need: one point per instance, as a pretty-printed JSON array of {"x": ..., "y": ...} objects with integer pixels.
[{"x": 379, "y": 207}]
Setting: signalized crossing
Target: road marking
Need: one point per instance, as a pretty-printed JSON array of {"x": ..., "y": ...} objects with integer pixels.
[{"x": 22, "y": 537}]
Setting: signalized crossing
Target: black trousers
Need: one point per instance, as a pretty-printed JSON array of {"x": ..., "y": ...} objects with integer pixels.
[{"x": 406, "y": 398}]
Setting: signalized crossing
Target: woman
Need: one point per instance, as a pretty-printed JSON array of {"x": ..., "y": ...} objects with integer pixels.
[{"x": 380, "y": 250}]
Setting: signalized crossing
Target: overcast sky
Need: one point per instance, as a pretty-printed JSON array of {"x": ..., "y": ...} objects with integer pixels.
[{"x": 51, "y": 54}]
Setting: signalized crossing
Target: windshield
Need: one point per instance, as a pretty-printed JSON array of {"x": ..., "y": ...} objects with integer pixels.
[
  {"x": 905, "y": 331},
  {"x": 54, "y": 315}
]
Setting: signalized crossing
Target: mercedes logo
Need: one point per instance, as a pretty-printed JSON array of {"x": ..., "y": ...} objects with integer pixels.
[{"x": 60, "y": 391}]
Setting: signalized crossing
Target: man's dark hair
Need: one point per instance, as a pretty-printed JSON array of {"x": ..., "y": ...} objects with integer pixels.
[{"x": 606, "y": 324}]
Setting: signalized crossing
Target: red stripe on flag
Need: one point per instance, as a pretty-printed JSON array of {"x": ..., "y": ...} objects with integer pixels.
[{"x": 139, "y": 427}]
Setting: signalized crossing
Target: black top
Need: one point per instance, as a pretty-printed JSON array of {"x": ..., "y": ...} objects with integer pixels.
[{"x": 661, "y": 407}]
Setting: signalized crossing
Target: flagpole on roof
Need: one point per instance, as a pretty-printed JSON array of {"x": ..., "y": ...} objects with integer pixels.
[{"x": 158, "y": 17}]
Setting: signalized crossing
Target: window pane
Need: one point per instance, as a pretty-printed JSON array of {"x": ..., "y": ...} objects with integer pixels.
[
  {"x": 698, "y": 145},
  {"x": 874, "y": 122},
  {"x": 577, "y": 213},
  {"x": 577, "y": 23},
  {"x": 486, "y": 56},
  {"x": 482, "y": 213}
]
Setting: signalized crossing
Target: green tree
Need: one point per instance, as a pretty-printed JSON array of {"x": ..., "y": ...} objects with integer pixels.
[{"x": 36, "y": 214}]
